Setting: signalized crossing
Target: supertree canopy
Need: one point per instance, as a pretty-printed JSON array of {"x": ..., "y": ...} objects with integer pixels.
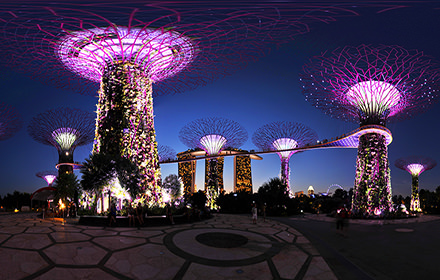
[
  {"x": 415, "y": 165},
  {"x": 65, "y": 129},
  {"x": 371, "y": 85},
  {"x": 213, "y": 135},
  {"x": 165, "y": 153},
  {"x": 10, "y": 121},
  {"x": 283, "y": 135},
  {"x": 127, "y": 46},
  {"x": 49, "y": 176}
]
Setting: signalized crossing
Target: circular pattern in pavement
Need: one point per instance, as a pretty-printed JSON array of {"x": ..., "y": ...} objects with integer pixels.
[
  {"x": 221, "y": 239},
  {"x": 222, "y": 247},
  {"x": 404, "y": 229}
]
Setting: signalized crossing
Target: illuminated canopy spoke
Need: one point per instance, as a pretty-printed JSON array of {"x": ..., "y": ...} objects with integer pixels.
[
  {"x": 161, "y": 53},
  {"x": 373, "y": 97},
  {"x": 284, "y": 144},
  {"x": 65, "y": 137},
  {"x": 213, "y": 143}
]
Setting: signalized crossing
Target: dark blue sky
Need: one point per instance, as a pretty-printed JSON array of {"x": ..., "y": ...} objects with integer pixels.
[{"x": 265, "y": 91}]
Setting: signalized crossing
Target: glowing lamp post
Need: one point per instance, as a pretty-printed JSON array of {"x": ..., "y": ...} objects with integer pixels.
[
  {"x": 415, "y": 165},
  {"x": 283, "y": 135},
  {"x": 213, "y": 135},
  {"x": 371, "y": 85}
]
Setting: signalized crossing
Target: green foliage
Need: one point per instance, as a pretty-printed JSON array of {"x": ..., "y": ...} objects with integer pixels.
[
  {"x": 173, "y": 185},
  {"x": 100, "y": 169},
  {"x": 66, "y": 186}
]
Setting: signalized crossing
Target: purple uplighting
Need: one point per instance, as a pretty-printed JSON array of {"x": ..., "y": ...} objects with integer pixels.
[
  {"x": 370, "y": 84},
  {"x": 284, "y": 135},
  {"x": 161, "y": 53},
  {"x": 213, "y": 134},
  {"x": 415, "y": 165}
]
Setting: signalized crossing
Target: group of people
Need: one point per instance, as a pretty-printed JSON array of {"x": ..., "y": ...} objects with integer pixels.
[{"x": 132, "y": 213}]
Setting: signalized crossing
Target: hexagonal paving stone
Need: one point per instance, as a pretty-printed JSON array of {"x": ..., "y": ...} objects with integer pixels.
[
  {"x": 259, "y": 271},
  {"x": 12, "y": 229},
  {"x": 142, "y": 233},
  {"x": 3, "y": 237},
  {"x": 17, "y": 264},
  {"x": 60, "y": 236},
  {"x": 99, "y": 232},
  {"x": 28, "y": 241},
  {"x": 118, "y": 242},
  {"x": 76, "y": 273},
  {"x": 284, "y": 264},
  {"x": 319, "y": 269},
  {"x": 39, "y": 229},
  {"x": 76, "y": 253},
  {"x": 146, "y": 262}
]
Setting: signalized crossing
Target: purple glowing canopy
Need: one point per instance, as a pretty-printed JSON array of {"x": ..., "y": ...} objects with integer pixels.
[
  {"x": 213, "y": 134},
  {"x": 283, "y": 135},
  {"x": 63, "y": 128},
  {"x": 377, "y": 83},
  {"x": 415, "y": 164},
  {"x": 10, "y": 121},
  {"x": 49, "y": 176},
  {"x": 181, "y": 44}
]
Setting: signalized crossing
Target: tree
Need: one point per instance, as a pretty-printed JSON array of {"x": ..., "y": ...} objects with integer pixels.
[
  {"x": 66, "y": 187},
  {"x": 275, "y": 194},
  {"x": 173, "y": 185},
  {"x": 100, "y": 169}
]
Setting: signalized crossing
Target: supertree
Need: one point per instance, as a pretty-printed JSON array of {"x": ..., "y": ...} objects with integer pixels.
[
  {"x": 127, "y": 46},
  {"x": 415, "y": 165},
  {"x": 371, "y": 85},
  {"x": 65, "y": 129},
  {"x": 49, "y": 176},
  {"x": 283, "y": 135},
  {"x": 10, "y": 121},
  {"x": 165, "y": 153},
  {"x": 213, "y": 135}
]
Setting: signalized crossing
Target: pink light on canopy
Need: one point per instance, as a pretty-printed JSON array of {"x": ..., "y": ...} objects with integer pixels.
[
  {"x": 374, "y": 97},
  {"x": 213, "y": 143},
  {"x": 65, "y": 137},
  {"x": 161, "y": 53},
  {"x": 48, "y": 176},
  {"x": 415, "y": 168},
  {"x": 284, "y": 144}
]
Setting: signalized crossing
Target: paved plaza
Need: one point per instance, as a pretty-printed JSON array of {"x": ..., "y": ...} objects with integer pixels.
[{"x": 223, "y": 247}]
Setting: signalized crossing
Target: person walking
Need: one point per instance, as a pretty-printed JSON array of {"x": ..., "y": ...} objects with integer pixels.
[{"x": 254, "y": 213}]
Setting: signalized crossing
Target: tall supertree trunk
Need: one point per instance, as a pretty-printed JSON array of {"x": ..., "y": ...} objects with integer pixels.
[
  {"x": 372, "y": 189},
  {"x": 65, "y": 157},
  {"x": 285, "y": 172},
  {"x": 415, "y": 200},
  {"x": 125, "y": 121}
]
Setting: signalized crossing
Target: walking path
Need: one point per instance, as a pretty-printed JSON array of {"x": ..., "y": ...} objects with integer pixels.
[{"x": 224, "y": 247}]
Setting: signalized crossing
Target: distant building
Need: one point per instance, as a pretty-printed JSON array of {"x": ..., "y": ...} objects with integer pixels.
[
  {"x": 311, "y": 191},
  {"x": 299, "y": 194}
]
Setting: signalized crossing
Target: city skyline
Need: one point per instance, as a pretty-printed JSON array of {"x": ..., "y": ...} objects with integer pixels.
[{"x": 267, "y": 90}]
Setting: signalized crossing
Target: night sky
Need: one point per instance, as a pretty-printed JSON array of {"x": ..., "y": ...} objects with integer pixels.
[{"x": 265, "y": 91}]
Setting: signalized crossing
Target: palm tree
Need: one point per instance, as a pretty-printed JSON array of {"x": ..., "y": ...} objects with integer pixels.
[
  {"x": 67, "y": 187},
  {"x": 99, "y": 170}
]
